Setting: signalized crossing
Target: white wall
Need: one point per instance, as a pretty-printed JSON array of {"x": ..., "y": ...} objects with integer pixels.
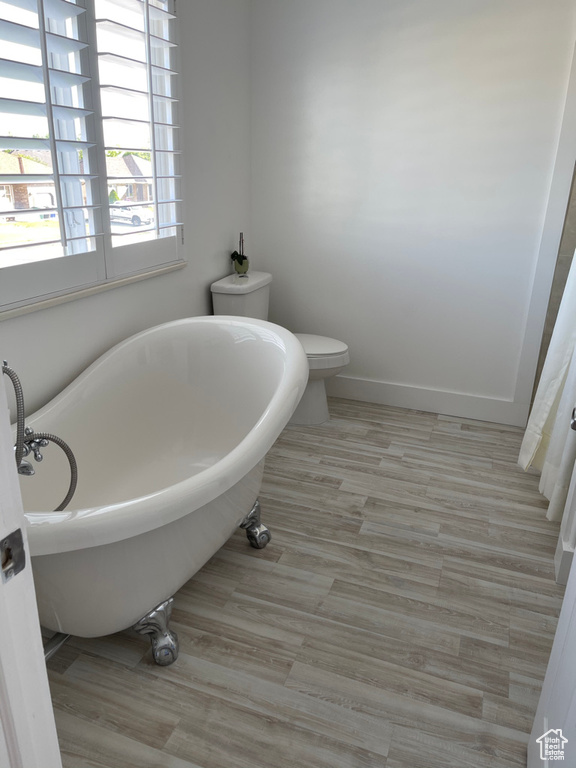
[
  {"x": 402, "y": 155},
  {"x": 50, "y": 347}
]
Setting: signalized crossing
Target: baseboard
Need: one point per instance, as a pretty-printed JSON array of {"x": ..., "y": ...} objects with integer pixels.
[{"x": 432, "y": 400}]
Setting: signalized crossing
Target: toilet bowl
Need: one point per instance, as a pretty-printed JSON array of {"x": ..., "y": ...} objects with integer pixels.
[
  {"x": 326, "y": 357},
  {"x": 248, "y": 296}
]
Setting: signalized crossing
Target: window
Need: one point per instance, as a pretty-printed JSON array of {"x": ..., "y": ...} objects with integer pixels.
[
  {"x": 90, "y": 178},
  {"x": 6, "y": 196}
]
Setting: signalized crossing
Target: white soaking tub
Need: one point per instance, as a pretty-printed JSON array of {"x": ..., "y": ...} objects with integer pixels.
[{"x": 170, "y": 429}]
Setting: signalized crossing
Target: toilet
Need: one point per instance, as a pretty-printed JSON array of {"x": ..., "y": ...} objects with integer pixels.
[{"x": 248, "y": 296}]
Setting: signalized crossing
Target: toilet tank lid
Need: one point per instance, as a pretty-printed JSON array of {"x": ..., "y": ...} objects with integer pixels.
[{"x": 235, "y": 284}]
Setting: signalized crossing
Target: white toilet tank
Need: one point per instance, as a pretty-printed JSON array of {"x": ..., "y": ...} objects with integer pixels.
[{"x": 247, "y": 295}]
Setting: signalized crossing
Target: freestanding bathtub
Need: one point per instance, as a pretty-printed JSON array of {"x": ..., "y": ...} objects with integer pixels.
[{"x": 170, "y": 429}]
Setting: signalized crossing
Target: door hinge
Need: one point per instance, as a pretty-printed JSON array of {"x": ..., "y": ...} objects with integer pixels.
[{"x": 13, "y": 555}]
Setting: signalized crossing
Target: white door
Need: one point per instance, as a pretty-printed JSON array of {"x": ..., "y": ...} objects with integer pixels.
[
  {"x": 553, "y": 737},
  {"x": 27, "y": 733}
]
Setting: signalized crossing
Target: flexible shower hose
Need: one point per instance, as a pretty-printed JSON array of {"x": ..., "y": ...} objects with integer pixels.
[
  {"x": 71, "y": 460},
  {"x": 21, "y": 437},
  {"x": 19, "y": 411}
]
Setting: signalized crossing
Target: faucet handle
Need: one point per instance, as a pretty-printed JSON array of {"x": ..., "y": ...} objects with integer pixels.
[{"x": 35, "y": 446}]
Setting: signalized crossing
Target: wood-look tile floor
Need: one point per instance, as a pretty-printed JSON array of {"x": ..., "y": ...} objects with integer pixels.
[{"x": 401, "y": 617}]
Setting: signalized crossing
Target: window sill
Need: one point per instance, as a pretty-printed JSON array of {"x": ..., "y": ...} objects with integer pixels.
[{"x": 82, "y": 293}]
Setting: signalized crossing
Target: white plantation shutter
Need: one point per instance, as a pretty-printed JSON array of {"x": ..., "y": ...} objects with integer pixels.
[
  {"x": 136, "y": 50},
  {"x": 89, "y": 146}
]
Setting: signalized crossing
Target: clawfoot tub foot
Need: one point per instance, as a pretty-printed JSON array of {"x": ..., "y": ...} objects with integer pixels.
[
  {"x": 164, "y": 641},
  {"x": 258, "y": 535}
]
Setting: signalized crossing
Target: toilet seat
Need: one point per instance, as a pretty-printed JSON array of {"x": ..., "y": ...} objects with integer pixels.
[{"x": 323, "y": 352}]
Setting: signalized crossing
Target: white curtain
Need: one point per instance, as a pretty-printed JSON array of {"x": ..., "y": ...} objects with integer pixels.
[{"x": 549, "y": 444}]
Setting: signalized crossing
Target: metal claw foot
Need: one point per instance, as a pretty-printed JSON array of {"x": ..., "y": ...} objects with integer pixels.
[
  {"x": 257, "y": 534},
  {"x": 164, "y": 641}
]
